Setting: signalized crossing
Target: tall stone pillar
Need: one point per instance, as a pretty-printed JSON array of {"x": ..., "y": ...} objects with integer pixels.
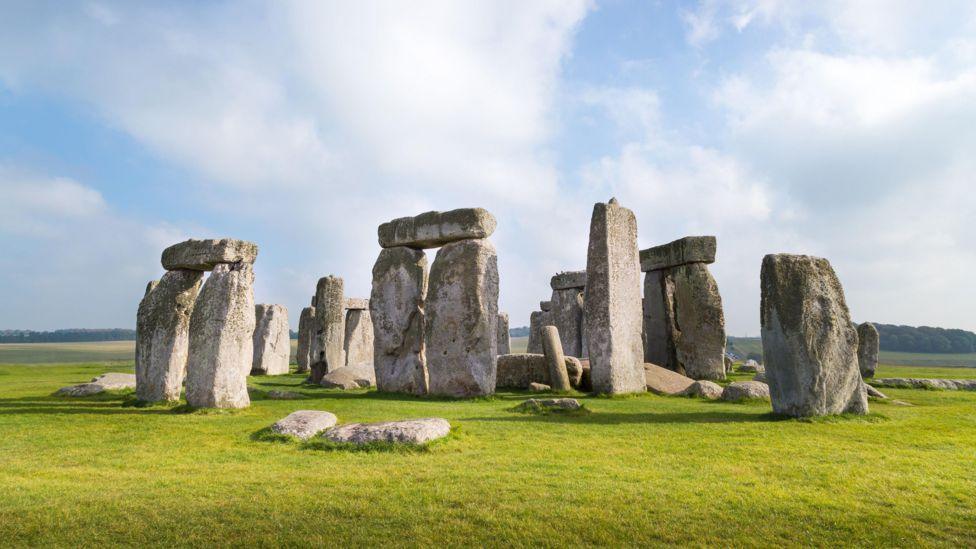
[
  {"x": 567, "y": 310},
  {"x": 330, "y": 328},
  {"x": 504, "y": 337},
  {"x": 306, "y": 331},
  {"x": 359, "y": 333},
  {"x": 396, "y": 307},
  {"x": 272, "y": 342},
  {"x": 868, "y": 347}
]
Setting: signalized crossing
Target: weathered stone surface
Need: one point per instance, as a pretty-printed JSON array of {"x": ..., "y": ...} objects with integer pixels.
[
  {"x": 304, "y": 424},
  {"x": 917, "y": 383},
  {"x": 396, "y": 307},
  {"x": 690, "y": 249},
  {"x": 81, "y": 390},
  {"x": 658, "y": 345},
  {"x": 517, "y": 371},
  {"x": 328, "y": 344},
  {"x": 272, "y": 342},
  {"x": 663, "y": 381},
  {"x": 613, "y": 301},
  {"x": 116, "y": 380},
  {"x": 545, "y": 306},
  {"x": 150, "y": 286},
  {"x": 353, "y": 303},
  {"x": 567, "y": 316},
  {"x": 359, "y": 337},
  {"x": 700, "y": 336},
  {"x": 537, "y": 320},
  {"x": 221, "y": 339},
  {"x": 703, "y": 389},
  {"x": 745, "y": 390},
  {"x": 728, "y": 365},
  {"x": 539, "y": 387},
  {"x": 306, "y": 332},
  {"x": 872, "y": 392},
  {"x": 434, "y": 229},
  {"x": 568, "y": 280},
  {"x": 163, "y": 335},
  {"x": 462, "y": 319},
  {"x": 809, "y": 342},
  {"x": 555, "y": 360},
  {"x": 411, "y": 431},
  {"x": 504, "y": 336},
  {"x": 550, "y": 404},
  {"x": 751, "y": 366},
  {"x": 868, "y": 347},
  {"x": 356, "y": 376},
  {"x": 204, "y": 255}
]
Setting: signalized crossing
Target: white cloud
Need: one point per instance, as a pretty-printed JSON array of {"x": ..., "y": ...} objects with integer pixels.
[{"x": 41, "y": 206}]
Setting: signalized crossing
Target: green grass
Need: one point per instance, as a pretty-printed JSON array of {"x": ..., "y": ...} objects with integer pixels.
[{"x": 640, "y": 470}]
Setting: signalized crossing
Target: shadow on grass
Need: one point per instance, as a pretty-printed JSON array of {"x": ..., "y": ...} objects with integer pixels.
[{"x": 107, "y": 403}]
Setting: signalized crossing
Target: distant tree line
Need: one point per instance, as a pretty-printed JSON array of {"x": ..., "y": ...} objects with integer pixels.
[
  {"x": 67, "y": 336},
  {"x": 925, "y": 339},
  {"x": 521, "y": 331}
]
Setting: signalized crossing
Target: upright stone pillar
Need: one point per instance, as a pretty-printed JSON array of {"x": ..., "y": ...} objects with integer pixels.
[
  {"x": 868, "y": 348},
  {"x": 221, "y": 339},
  {"x": 359, "y": 333},
  {"x": 567, "y": 310},
  {"x": 162, "y": 335},
  {"x": 537, "y": 320},
  {"x": 330, "y": 328},
  {"x": 306, "y": 331},
  {"x": 462, "y": 319},
  {"x": 504, "y": 337},
  {"x": 613, "y": 301},
  {"x": 396, "y": 307},
  {"x": 809, "y": 342},
  {"x": 272, "y": 341}
]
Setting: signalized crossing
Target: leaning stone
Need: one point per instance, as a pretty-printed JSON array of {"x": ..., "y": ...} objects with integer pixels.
[
  {"x": 504, "y": 336},
  {"x": 357, "y": 376},
  {"x": 358, "y": 343},
  {"x": 549, "y": 404},
  {"x": 272, "y": 340},
  {"x": 462, "y": 318},
  {"x": 665, "y": 382},
  {"x": 304, "y": 424},
  {"x": 115, "y": 380},
  {"x": 613, "y": 301},
  {"x": 545, "y": 306},
  {"x": 434, "y": 229},
  {"x": 567, "y": 316},
  {"x": 204, "y": 255},
  {"x": 690, "y": 249},
  {"x": 555, "y": 360},
  {"x": 396, "y": 308},
  {"x": 518, "y": 371},
  {"x": 699, "y": 337},
  {"x": 809, "y": 342},
  {"x": 328, "y": 344},
  {"x": 537, "y": 320},
  {"x": 221, "y": 339},
  {"x": 306, "y": 331},
  {"x": 357, "y": 303},
  {"x": 703, "y": 389},
  {"x": 872, "y": 392},
  {"x": 539, "y": 387},
  {"x": 868, "y": 347},
  {"x": 568, "y": 280},
  {"x": 163, "y": 335},
  {"x": 411, "y": 431},
  {"x": 745, "y": 390}
]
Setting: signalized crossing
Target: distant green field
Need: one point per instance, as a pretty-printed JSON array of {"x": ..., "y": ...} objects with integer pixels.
[
  {"x": 519, "y": 344},
  {"x": 743, "y": 346},
  {"x": 62, "y": 353}
]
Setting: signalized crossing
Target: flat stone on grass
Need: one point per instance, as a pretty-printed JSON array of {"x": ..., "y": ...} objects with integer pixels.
[
  {"x": 703, "y": 389},
  {"x": 304, "y": 424},
  {"x": 115, "y": 380},
  {"x": 548, "y": 405},
  {"x": 745, "y": 390},
  {"x": 410, "y": 431}
]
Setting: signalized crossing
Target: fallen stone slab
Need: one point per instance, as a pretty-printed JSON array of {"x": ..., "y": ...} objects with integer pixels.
[
  {"x": 116, "y": 380},
  {"x": 549, "y": 404},
  {"x": 284, "y": 395},
  {"x": 921, "y": 383},
  {"x": 519, "y": 370},
  {"x": 873, "y": 392},
  {"x": 81, "y": 390},
  {"x": 539, "y": 387},
  {"x": 751, "y": 366},
  {"x": 410, "y": 431},
  {"x": 358, "y": 376},
  {"x": 690, "y": 249},
  {"x": 204, "y": 255},
  {"x": 304, "y": 424},
  {"x": 434, "y": 229},
  {"x": 703, "y": 389},
  {"x": 745, "y": 390},
  {"x": 568, "y": 280},
  {"x": 665, "y": 382}
]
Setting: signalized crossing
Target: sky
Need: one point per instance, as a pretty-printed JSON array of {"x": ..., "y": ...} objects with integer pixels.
[{"x": 845, "y": 130}]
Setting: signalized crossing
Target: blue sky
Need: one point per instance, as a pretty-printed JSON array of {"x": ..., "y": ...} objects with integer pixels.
[{"x": 839, "y": 129}]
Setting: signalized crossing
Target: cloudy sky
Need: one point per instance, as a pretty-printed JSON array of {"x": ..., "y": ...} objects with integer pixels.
[{"x": 840, "y": 129}]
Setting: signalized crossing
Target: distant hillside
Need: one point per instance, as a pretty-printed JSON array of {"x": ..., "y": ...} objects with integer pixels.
[
  {"x": 925, "y": 339},
  {"x": 521, "y": 331},
  {"x": 67, "y": 336}
]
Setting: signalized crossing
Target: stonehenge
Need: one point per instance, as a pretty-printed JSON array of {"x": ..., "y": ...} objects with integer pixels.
[
  {"x": 612, "y": 301},
  {"x": 328, "y": 340},
  {"x": 809, "y": 342},
  {"x": 434, "y": 229},
  {"x": 396, "y": 306},
  {"x": 306, "y": 331},
  {"x": 868, "y": 347},
  {"x": 504, "y": 338},
  {"x": 358, "y": 342},
  {"x": 567, "y": 310},
  {"x": 520, "y": 370},
  {"x": 272, "y": 343},
  {"x": 684, "y": 325},
  {"x": 537, "y": 320},
  {"x": 205, "y": 255},
  {"x": 555, "y": 359}
]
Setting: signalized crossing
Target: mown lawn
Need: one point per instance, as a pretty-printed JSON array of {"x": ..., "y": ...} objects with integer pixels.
[{"x": 641, "y": 470}]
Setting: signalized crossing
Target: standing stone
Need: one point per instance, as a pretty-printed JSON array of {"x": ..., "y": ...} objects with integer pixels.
[
  {"x": 272, "y": 343},
  {"x": 658, "y": 347},
  {"x": 809, "y": 342},
  {"x": 434, "y": 229},
  {"x": 306, "y": 331},
  {"x": 537, "y": 320},
  {"x": 613, "y": 301},
  {"x": 699, "y": 336},
  {"x": 221, "y": 339},
  {"x": 504, "y": 338},
  {"x": 359, "y": 337},
  {"x": 462, "y": 319},
  {"x": 868, "y": 347},
  {"x": 330, "y": 328},
  {"x": 396, "y": 307},
  {"x": 555, "y": 359},
  {"x": 162, "y": 335},
  {"x": 567, "y": 315}
]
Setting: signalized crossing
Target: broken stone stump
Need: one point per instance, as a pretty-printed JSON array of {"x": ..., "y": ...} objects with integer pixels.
[
  {"x": 868, "y": 347},
  {"x": 306, "y": 331},
  {"x": 205, "y": 255},
  {"x": 221, "y": 339},
  {"x": 396, "y": 307},
  {"x": 328, "y": 344},
  {"x": 462, "y": 318},
  {"x": 809, "y": 342},
  {"x": 359, "y": 337},
  {"x": 613, "y": 301},
  {"x": 272, "y": 341},
  {"x": 434, "y": 229},
  {"x": 555, "y": 359},
  {"x": 504, "y": 338},
  {"x": 163, "y": 335}
]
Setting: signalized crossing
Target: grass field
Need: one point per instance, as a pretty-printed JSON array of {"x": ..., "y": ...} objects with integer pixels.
[{"x": 640, "y": 470}]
